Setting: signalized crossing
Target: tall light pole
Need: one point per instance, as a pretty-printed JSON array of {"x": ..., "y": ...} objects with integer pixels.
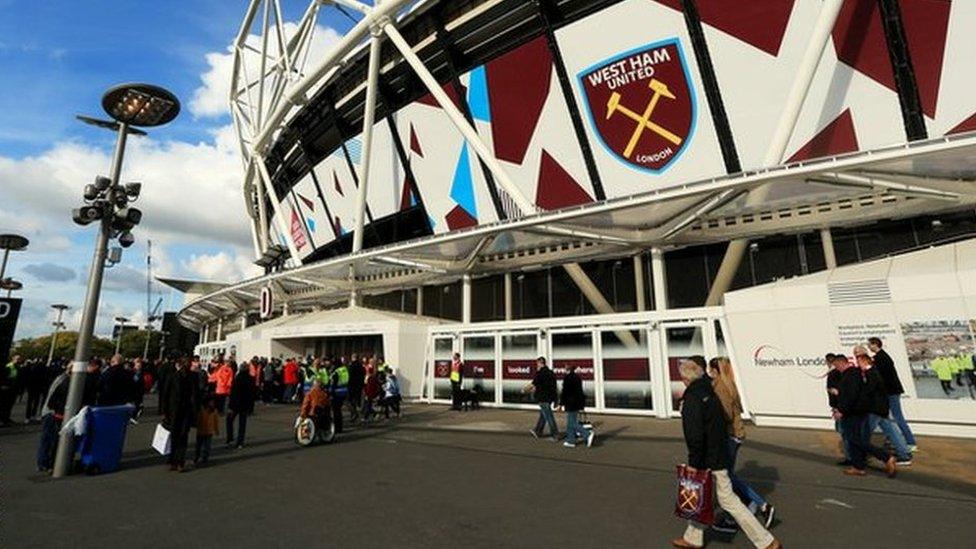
[
  {"x": 11, "y": 285},
  {"x": 120, "y": 324},
  {"x": 58, "y": 325},
  {"x": 9, "y": 243},
  {"x": 129, "y": 105}
]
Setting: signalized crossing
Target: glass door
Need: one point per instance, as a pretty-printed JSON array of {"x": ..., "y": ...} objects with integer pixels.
[
  {"x": 626, "y": 373},
  {"x": 519, "y": 352},
  {"x": 478, "y": 356},
  {"x": 441, "y": 367},
  {"x": 576, "y": 349},
  {"x": 681, "y": 341}
]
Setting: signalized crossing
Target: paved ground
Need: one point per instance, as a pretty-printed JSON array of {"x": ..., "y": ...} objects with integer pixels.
[{"x": 438, "y": 478}]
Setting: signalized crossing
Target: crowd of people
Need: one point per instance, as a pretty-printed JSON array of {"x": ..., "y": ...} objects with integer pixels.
[
  {"x": 865, "y": 394},
  {"x": 194, "y": 395}
]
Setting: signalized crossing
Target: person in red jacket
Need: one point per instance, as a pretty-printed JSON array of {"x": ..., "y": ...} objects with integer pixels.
[
  {"x": 289, "y": 377},
  {"x": 223, "y": 378},
  {"x": 371, "y": 391}
]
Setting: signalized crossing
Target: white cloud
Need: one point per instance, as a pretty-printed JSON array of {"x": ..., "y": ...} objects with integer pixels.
[
  {"x": 211, "y": 99},
  {"x": 222, "y": 266}
]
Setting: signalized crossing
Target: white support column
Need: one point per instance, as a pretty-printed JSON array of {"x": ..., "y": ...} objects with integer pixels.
[
  {"x": 781, "y": 138},
  {"x": 220, "y": 329},
  {"x": 369, "y": 118},
  {"x": 454, "y": 114},
  {"x": 243, "y": 320},
  {"x": 420, "y": 300},
  {"x": 280, "y": 214},
  {"x": 285, "y": 309},
  {"x": 508, "y": 296},
  {"x": 639, "y": 287},
  {"x": 205, "y": 337},
  {"x": 827, "y": 241},
  {"x": 466, "y": 299},
  {"x": 659, "y": 278}
]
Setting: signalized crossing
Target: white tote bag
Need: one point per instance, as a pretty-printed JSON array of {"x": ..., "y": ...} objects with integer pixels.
[{"x": 161, "y": 440}]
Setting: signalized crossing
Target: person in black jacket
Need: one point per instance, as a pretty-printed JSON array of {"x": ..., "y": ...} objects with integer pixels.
[
  {"x": 707, "y": 439},
  {"x": 180, "y": 411},
  {"x": 855, "y": 403},
  {"x": 162, "y": 380},
  {"x": 357, "y": 380},
  {"x": 240, "y": 404},
  {"x": 544, "y": 387},
  {"x": 115, "y": 384},
  {"x": 893, "y": 387},
  {"x": 574, "y": 401}
]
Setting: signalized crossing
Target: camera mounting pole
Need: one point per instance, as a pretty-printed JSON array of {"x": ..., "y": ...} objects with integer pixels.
[{"x": 89, "y": 313}]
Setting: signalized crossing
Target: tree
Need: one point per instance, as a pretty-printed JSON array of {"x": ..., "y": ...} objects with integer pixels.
[{"x": 38, "y": 347}]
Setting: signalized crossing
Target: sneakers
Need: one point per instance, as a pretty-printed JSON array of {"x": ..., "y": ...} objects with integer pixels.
[
  {"x": 904, "y": 463},
  {"x": 766, "y": 515},
  {"x": 680, "y": 542},
  {"x": 912, "y": 448},
  {"x": 589, "y": 439},
  {"x": 726, "y": 525},
  {"x": 568, "y": 444},
  {"x": 534, "y": 434},
  {"x": 855, "y": 472}
]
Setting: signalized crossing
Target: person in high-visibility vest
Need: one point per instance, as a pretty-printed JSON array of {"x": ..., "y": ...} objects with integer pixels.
[
  {"x": 943, "y": 370},
  {"x": 339, "y": 383},
  {"x": 457, "y": 373}
]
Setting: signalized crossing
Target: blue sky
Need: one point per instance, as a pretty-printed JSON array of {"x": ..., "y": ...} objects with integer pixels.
[{"x": 57, "y": 57}]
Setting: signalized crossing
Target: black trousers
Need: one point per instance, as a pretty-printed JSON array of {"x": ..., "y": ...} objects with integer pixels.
[
  {"x": 241, "y": 424},
  {"x": 179, "y": 440},
  {"x": 456, "y": 395},
  {"x": 8, "y": 395},
  {"x": 34, "y": 400},
  {"x": 337, "y": 401},
  {"x": 858, "y": 434}
]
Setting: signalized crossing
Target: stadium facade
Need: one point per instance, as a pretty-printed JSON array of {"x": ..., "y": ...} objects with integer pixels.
[{"x": 615, "y": 184}]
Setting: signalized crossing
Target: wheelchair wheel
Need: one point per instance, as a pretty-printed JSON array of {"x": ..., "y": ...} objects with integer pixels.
[
  {"x": 328, "y": 435},
  {"x": 305, "y": 432}
]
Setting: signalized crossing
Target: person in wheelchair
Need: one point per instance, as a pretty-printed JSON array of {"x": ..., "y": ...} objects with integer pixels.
[{"x": 316, "y": 406}]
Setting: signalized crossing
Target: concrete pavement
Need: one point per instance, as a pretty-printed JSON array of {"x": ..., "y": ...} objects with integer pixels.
[{"x": 438, "y": 478}]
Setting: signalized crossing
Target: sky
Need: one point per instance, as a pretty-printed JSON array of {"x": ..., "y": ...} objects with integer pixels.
[{"x": 57, "y": 58}]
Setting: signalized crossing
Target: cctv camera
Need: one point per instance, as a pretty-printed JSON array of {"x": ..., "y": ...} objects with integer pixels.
[
  {"x": 86, "y": 214},
  {"x": 133, "y": 190},
  {"x": 130, "y": 215},
  {"x": 91, "y": 192},
  {"x": 126, "y": 239},
  {"x": 121, "y": 199},
  {"x": 102, "y": 182}
]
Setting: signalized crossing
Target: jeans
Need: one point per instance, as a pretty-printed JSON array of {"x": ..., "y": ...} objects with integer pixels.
[
  {"x": 839, "y": 427},
  {"x": 893, "y": 434},
  {"x": 202, "y": 451},
  {"x": 894, "y": 405},
  {"x": 546, "y": 418},
  {"x": 289, "y": 393},
  {"x": 573, "y": 429},
  {"x": 859, "y": 437},
  {"x": 49, "y": 442},
  {"x": 758, "y": 535},
  {"x": 742, "y": 489},
  {"x": 242, "y": 427}
]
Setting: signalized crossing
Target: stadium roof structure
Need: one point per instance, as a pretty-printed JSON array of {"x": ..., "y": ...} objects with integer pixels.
[{"x": 922, "y": 177}]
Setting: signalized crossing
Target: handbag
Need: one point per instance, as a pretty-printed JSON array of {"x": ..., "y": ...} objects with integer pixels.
[
  {"x": 162, "y": 440},
  {"x": 696, "y": 490}
]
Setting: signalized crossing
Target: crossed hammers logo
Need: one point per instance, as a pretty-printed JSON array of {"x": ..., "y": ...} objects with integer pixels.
[
  {"x": 689, "y": 500},
  {"x": 644, "y": 121}
]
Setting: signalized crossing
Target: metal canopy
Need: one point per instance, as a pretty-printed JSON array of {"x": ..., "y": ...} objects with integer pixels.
[{"x": 924, "y": 177}]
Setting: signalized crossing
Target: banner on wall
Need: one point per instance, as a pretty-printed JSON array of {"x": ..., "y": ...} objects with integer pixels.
[
  {"x": 9, "y": 312},
  {"x": 940, "y": 353}
]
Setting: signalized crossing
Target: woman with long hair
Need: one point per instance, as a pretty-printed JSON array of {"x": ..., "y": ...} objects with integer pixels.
[{"x": 723, "y": 381}]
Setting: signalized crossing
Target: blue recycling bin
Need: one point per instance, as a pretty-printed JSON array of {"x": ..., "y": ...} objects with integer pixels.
[{"x": 101, "y": 447}]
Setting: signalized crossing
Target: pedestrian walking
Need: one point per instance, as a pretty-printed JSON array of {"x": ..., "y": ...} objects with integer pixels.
[
  {"x": 179, "y": 411},
  {"x": 879, "y": 412},
  {"x": 391, "y": 393},
  {"x": 706, "y": 436},
  {"x": 573, "y": 400},
  {"x": 894, "y": 389},
  {"x": 223, "y": 379},
  {"x": 9, "y": 388},
  {"x": 208, "y": 425},
  {"x": 52, "y": 415},
  {"x": 723, "y": 383},
  {"x": 338, "y": 391},
  {"x": 241, "y": 405},
  {"x": 855, "y": 401},
  {"x": 544, "y": 389},
  {"x": 372, "y": 390},
  {"x": 289, "y": 377},
  {"x": 36, "y": 387},
  {"x": 115, "y": 384},
  {"x": 357, "y": 381}
]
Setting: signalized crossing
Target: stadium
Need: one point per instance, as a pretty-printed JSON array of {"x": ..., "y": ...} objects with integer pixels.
[{"x": 615, "y": 184}]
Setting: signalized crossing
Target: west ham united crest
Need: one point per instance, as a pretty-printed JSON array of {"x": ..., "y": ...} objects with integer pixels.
[{"x": 642, "y": 104}]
